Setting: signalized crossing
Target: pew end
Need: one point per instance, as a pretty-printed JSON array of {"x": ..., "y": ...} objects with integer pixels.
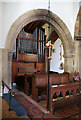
[
  {"x": 34, "y": 89},
  {"x": 73, "y": 97},
  {"x": 39, "y": 86}
]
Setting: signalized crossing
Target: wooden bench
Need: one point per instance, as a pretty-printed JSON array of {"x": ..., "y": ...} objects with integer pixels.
[
  {"x": 74, "y": 90},
  {"x": 40, "y": 83},
  {"x": 23, "y": 79},
  {"x": 57, "y": 79}
]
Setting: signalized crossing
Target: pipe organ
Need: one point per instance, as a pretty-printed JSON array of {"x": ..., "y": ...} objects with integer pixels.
[
  {"x": 31, "y": 43},
  {"x": 29, "y": 52}
]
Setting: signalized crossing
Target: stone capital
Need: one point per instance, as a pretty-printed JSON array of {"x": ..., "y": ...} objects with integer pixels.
[{"x": 10, "y": 54}]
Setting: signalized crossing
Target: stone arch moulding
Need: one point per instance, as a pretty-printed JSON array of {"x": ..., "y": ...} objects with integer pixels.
[
  {"x": 77, "y": 30},
  {"x": 41, "y": 14},
  {"x": 77, "y": 42}
]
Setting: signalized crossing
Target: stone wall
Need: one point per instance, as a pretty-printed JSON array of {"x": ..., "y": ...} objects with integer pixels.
[{"x": 5, "y": 68}]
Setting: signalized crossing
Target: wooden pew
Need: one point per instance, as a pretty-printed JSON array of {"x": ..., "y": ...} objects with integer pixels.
[
  {"x": 24, "y": 79},
  {"x": 57, "y": 79},
  {"x": 74, "y": 96},
  {"x": 40, "y": 82},
  {"x": 20, "y": 66}
]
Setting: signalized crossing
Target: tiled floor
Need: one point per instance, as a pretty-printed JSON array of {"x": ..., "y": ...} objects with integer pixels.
[{"x": 69, "y": 113}]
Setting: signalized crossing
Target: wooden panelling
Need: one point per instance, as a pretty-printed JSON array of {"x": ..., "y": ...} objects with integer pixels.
[
  {"x": 25, "y": 65},
  {"x": 27, "y": 57},
  {"x": 27, "y": 70},
  {"x": 61, "y": 78},
  {"x": 22, "y": 68},
  {"x": 40, "y": 66},
  {"x": 72, "y": 98},
  {"x": 14, "y": 70}
]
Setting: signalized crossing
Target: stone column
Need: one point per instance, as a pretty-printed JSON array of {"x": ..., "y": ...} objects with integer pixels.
[
  {"x": 10, "y": 67},
  {"x": 76, "y": 57},
  {"x": 80, "y": 58},
  {"x": 6, "y": 67},
  {"x": 68, "y": 61},
  {"x": 80, "y": 40}
]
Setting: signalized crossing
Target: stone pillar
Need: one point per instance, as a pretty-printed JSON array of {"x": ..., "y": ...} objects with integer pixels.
[
  {"x": 68, "y": 61},
  {"x": 80, "y": 58},
  {"x": 76, "y": 55},
  {"x": 5, "y": 71},
  {"x": 77, "y": 43},
  {"x": 10, "y": 67},
  {"x": 80, "y": 40},
  {"x": 5, "y": 66}
]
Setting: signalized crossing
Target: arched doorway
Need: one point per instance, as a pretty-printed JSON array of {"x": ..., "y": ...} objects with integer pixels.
[{"x": 59, "y": 26}]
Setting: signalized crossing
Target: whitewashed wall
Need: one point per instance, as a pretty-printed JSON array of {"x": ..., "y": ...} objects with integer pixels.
[
  {"x": 67, "y": 11},
  {"x": 0, "y": 24},
  {"x": 55, "y": 61}
]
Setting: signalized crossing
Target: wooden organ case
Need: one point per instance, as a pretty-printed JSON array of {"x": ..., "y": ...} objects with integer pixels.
[{"x": 28, "y": 57}]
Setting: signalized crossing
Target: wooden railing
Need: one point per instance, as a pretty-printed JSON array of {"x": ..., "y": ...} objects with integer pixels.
[
  {"x": 73, "y": 89},
  {"x": 10, "y": 91},
  {"x": 7, "y": 87}
]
